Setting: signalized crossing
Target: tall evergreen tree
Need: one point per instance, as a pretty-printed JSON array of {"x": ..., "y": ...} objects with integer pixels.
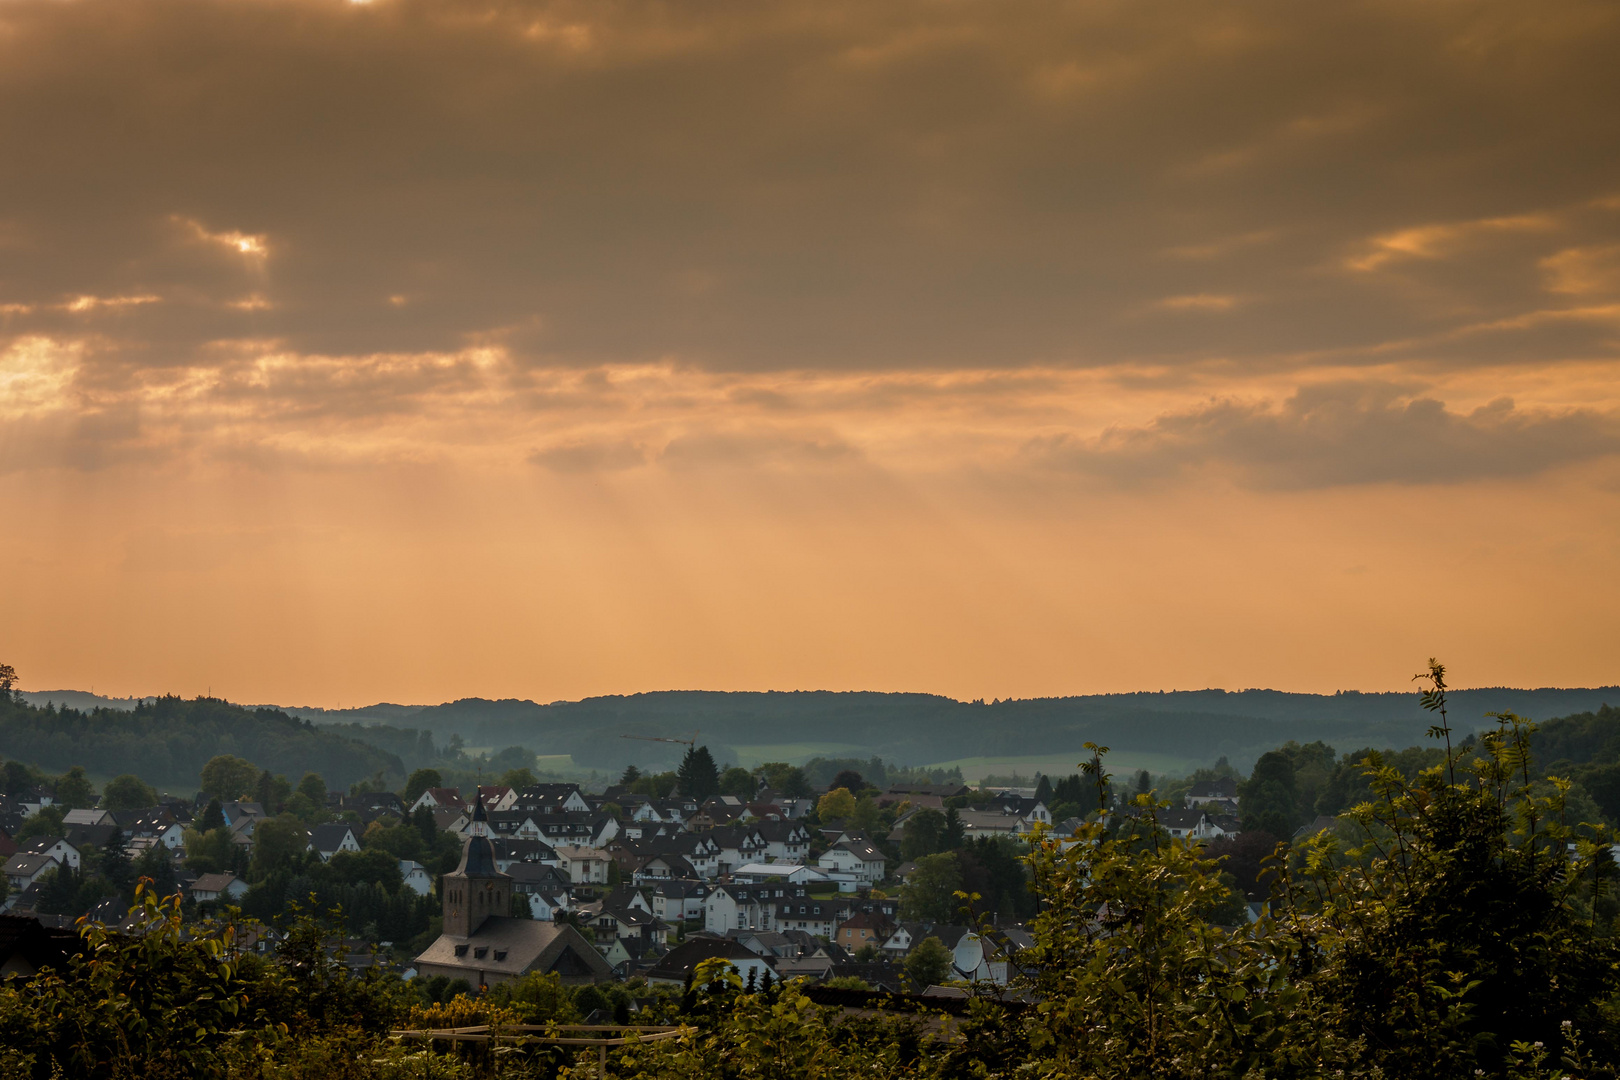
[{"x": 699, "y": 776}]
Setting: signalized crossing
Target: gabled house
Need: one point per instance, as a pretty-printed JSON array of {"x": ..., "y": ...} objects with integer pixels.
[
  {"x": 784, "y": 841},
  {"x": 584, "y": 865},
  {"x": 53, "y": 847},
  {"x": 551, "y": 799},
  {"x": 817, "y": 917},
  {"x": 860, "y": 858},
  {"x": 546, "y": 888},
  {"x": 327, "y": 840},
  {"x": 88, "y": 817},
  {"x": 733, "y": 907},
  {"x": 439, "y": 798},
  {"x": 23, "y": 870},
  {"x": 861, "y": 929},
  {"x": 510, "y": 851},
  {"x": 216, "y": 887},
  {"x": 681, "y": 961},
  {"x": 678, "y": 900},
  {"x": 1216, "y": 796},
  {"x": 414, "y": 876}
]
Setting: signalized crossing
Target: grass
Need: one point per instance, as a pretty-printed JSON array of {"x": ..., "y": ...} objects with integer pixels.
[
  {"x": 795, "y": 753},
  {"x": 1118, "y": 762}
]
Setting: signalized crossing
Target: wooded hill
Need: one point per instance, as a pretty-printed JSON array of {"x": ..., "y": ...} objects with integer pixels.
[
  {"x": 167, "y": 740},
  {"x": 920, "y": 729}
]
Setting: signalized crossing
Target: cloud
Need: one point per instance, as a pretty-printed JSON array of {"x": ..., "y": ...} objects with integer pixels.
[
  {"x": 833, "y": 186},
  {"x": 1339, "y": 434},
  {"x": 590, "y": 457}
]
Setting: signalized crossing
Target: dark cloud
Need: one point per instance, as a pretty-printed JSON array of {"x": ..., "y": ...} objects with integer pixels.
[
  {"x": 832, "y": 184},
  {"x": 1340, "y": 434}
]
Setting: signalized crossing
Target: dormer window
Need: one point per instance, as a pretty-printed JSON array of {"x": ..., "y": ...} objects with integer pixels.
[
  {"x": 480, "y": 953},
  {"x": 500, "y": 954},
  {"x": 461, "y": 950}
]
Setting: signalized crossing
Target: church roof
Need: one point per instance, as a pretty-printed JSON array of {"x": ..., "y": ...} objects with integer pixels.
[{"x": 514, "y": 947}]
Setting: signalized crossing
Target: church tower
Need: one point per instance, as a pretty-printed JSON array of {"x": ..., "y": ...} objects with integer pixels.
[{"x": 475, "y": 889}]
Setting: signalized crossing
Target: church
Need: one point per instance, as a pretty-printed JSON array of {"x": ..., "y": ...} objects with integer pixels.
[{"x": 484, "y": 944}]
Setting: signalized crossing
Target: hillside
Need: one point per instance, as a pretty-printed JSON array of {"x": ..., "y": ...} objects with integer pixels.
[{"x": 167, "y": 740}]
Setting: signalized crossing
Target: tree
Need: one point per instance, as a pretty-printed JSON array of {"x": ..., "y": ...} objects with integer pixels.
[
  {"x": 836, "y": 805},
  {"x": 1267, "y": 800},
  {"x": 213, "y": 817},
  {"x": 48, "y": 822},
  {"x": 784, "y": 780},
  {"x": 278, "y": 843},
  {"x": 1043, "y": 791},
  {"x": 848, "y": 779},
  {"x": 923, "y": 833},
  {"x": 418, "y": 782},
  {"x": 313, "y": 788},
  {"x": 128, "y": 792},
  {"x": 928, "y": 963},
  {"x": 738, "y": 782},
  {"x": 208, "y": 852},
  {"x": 73, "y": 790},
  {"x": 698, "y": 776},
  {"x": 929, "y": 894},
  {"x": 228, "y": 777},
  {"x": 8, "y": 679},
  {"x": 115, "y": 865},
  {"x": 630, "y": 775},
  {"x": 518, "y": 779},
  {"x": 955, "y": 832}
]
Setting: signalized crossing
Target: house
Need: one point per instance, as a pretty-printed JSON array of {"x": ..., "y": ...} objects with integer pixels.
[
  {"x": 992, "y": 822},
  {"x": 1216, "y": 795},
  {"x": 817, "y": 917},
  {"x": 327, "y": 840},
  {"x": 24, "y": 869},
  {"x": 227, "y": 887},
  {"x": 907, "y": 935},
  {"x": 233, "y": 811},
  {"x": 785, "y": 841},
  {"x": 154, "y": 825},
  {"x": 551, "y": 799},
  {"x": 510, "y": 850},
  {"x": 484, "y": 945},
  {"x": 414, "y": 876},
  {"x": 439, "y": 798},
  {"x": 584, "y": 865},
  {"x": 1194, "y": 824},
  {"x": 36, "y": 799},
  {"x": 732, "y": 907},
  {"x": 545, "y": 886},
  {"x": 860, "y": 858},
  {"x": 678, "y": 900},
  {"x": 54, "y": 847},
  {"x": 96, "y": 836},
  {"x": 88, "y": 817},
  {"x": 1027, "y": 808},
  {"x": 861, "y": 929},
  {"x": 683, "y": 959},
  {"x": 977, "y": 958},
  {"x": 792, "y": 873}
]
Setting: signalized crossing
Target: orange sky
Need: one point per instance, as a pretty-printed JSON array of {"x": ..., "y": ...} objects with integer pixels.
[{"x": 413, "y": 350}]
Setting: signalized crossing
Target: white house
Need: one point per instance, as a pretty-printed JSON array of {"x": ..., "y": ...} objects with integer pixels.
[
  {"x": 791, "y": 873},
  {"x": 737, "y": 907},
  {"x": 584, "y": 865},
  {"x": 415, "y": 877},
  {"x": 60, "y": 850},
  {"x": 855, "y": 857},
  {"x": 328, "y": 840},
  {"x": 226, "y": 887}
]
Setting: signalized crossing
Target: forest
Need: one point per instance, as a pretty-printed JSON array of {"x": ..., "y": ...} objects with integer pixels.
[{"x": 166, "y": 741}]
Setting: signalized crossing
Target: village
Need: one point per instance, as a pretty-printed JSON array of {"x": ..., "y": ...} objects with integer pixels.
[{"x": 855, "y": 885}]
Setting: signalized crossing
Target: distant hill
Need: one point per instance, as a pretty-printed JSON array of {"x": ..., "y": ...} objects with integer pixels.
[
  {"x": 919, "y": 729},
  {"x": 923, "y": 729},
  {"x": 166, "y": 741}
]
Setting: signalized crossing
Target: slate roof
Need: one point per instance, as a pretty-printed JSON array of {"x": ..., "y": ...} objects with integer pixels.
[
  {"x": 515, "y": 946},
  {"x": 683, "y": 958},
  {"x": 330, "y": 836}
]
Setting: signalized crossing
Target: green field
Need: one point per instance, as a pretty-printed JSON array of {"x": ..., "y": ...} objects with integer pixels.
[
  {"x": 1062, "y": 764},
  {"x": 795, "y": 753}
]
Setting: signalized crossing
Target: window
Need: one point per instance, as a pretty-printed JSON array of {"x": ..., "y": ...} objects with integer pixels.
[
  {"x": 461, "y": 950},
  {"x": 480, "y": 953},
  {"x": 500, "y": 954}
]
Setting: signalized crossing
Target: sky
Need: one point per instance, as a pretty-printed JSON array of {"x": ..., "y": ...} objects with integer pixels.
[{"x": 417, "y": 349}]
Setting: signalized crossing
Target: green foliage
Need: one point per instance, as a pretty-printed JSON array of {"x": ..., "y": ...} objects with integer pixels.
[
  {"x": 837, "y": 805},
  {"x": 698, "y": 775},
  {"x": 279, "y": 843},
  {"x": 227, "y": 777},
  {"x": 418, "y": 782},
  {"x": 929, "y": 894},
  {"x": 168, "y": 741},
  {"x": 208, "y": 852},
  {"x": 47, "y": 822},
  {"x": 128, "y": 792},
  {"x": 737, "y": 782},
  {"x": 74, "y": 791},
  {"x": 923, "y": 833},
  {"x": 928, "y": 963},
  {"x": 787, "y": 781}
]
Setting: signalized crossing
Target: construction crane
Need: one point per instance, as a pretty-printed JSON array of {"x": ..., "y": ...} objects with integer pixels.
[{"x": 688, "y": 743}]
